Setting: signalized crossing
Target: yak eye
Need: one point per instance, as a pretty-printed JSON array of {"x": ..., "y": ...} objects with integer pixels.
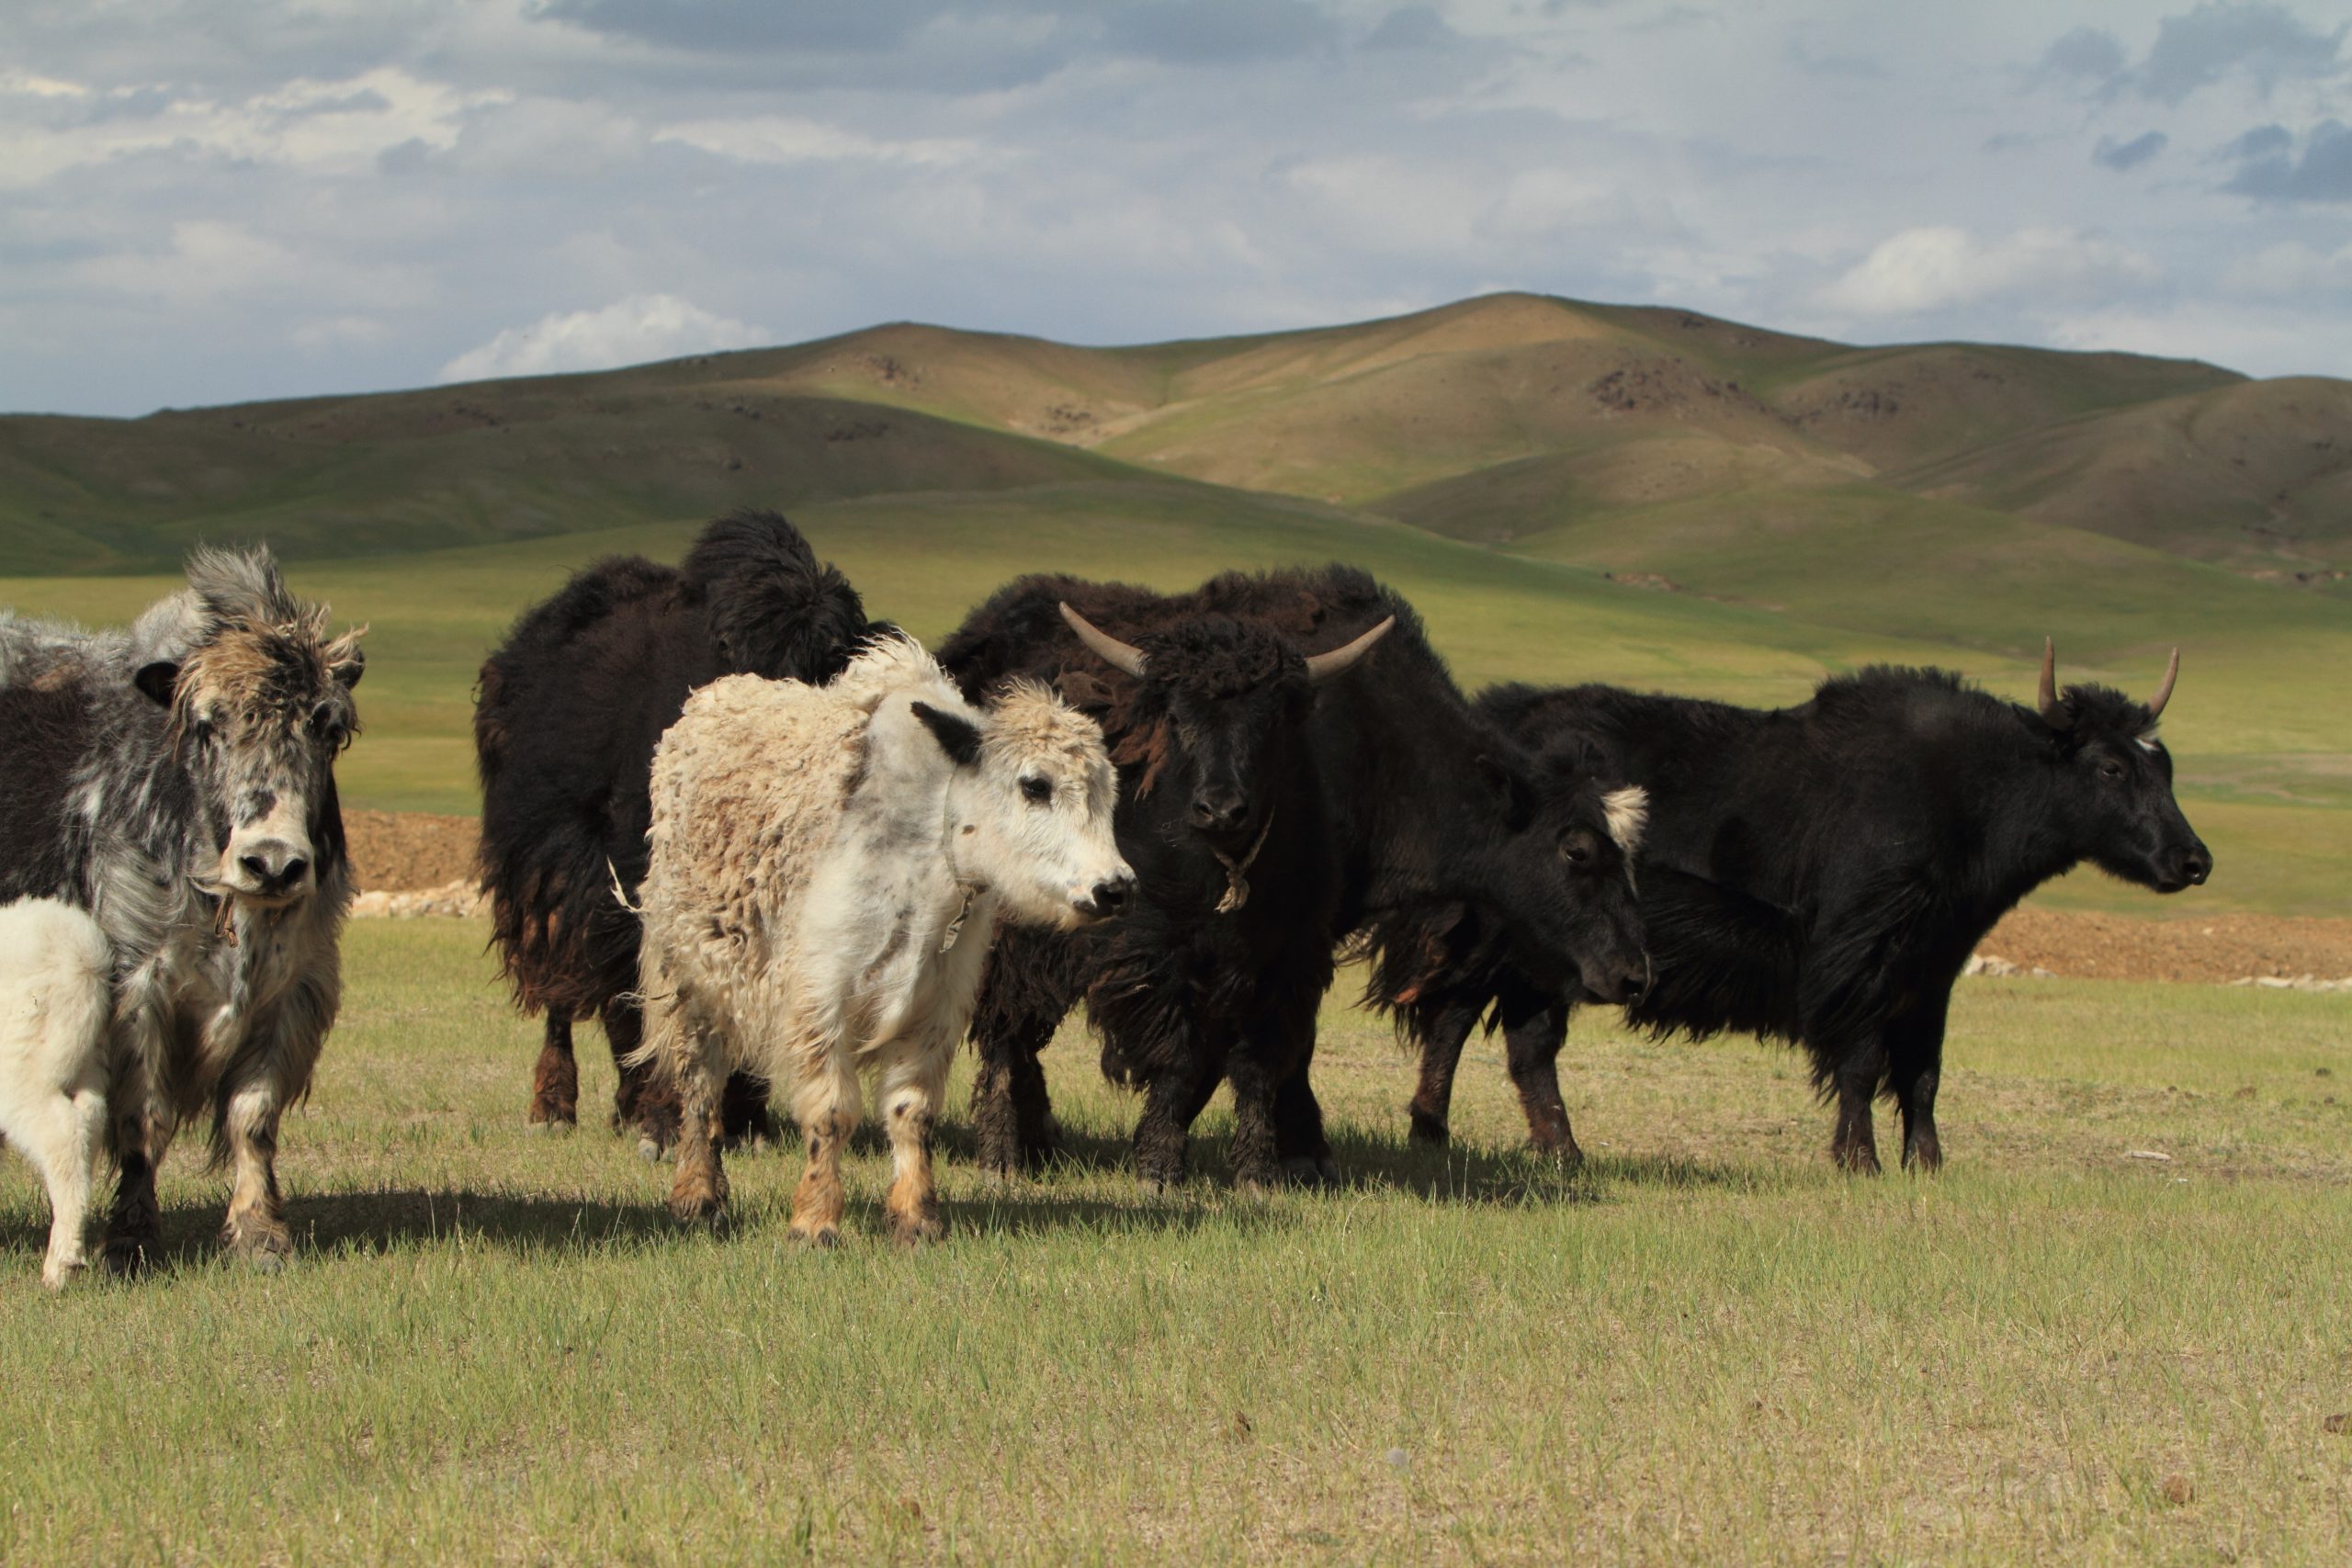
[
  {"x": 1576, "y": 849},
  {"x": 1036, "y": 792},
  {"x": 2112, "y": 771}
]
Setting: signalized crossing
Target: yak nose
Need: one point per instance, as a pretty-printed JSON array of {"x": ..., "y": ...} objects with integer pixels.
[
  {"x": 1107, "y": 897},
  {"x": 1632, "y": 985},
  {"x": 2196, "y": 866},
  {"x": 1220, "y": 809},
  {"x": 274, "y": 866}
]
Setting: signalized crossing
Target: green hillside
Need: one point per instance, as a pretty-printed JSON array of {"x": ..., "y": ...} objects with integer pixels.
[{"x": 1568, "y": 492}]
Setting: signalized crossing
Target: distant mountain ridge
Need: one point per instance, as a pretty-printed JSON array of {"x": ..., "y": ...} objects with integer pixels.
[{"x": 1594, "y": 435}]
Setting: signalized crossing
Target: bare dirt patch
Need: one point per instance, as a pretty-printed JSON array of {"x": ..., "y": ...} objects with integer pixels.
[
  {"x": 401, "y": 852},
  {"x": 2216, "y": 950}
]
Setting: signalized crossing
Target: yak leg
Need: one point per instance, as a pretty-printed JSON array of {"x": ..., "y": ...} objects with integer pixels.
[
  {"x": 255, "y": 1228},
  {"x": 1915, "y": 1062},
  {"x": 1299, "y": 1139},
  {"x": 64, "y": 1134},
  {"x": 826, "y": 1107},
  {"x": 1172, "y": 1100},
  {"x": 1535, "y": 1028},
  {"x": 642, "y": 1098},
  {"x": 1012, "y": 1114},
  {"x": 690, "y": 1061},
  {"x": 1255, "y": 1168},
  {"x": 912, "y": 1086},
  {"x": 1442, "y": 1043},
  {"x": 555, "y": 1079},
  {"x": 1855, "y": 1147},
  {"x": 745, "y": 1116},
  {"x": 143, "y": 1133}
]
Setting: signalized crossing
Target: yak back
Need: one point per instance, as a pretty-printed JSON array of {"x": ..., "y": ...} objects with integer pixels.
[
  {"x": 48, "y": 691},
  {"x": 571, "y": 707}
]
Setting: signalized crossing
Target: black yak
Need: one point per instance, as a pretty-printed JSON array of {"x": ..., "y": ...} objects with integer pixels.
[
  {"x": 566, "y": 718},
  {"x": 1266, "y": 816},
  {"x": 1820, "y": 873}
]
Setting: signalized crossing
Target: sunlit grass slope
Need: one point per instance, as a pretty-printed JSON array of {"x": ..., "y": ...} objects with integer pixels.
[{"x": 1707, "y": 1345}]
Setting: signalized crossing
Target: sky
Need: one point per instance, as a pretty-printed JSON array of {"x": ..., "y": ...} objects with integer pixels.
[{"x": 208, "y": 201}]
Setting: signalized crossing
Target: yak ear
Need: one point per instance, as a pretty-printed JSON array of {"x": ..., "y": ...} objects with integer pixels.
[
  {"x": 346, "y": 660},
  {"x": 958, "y": 735},
  {"x": 160, "y": 681},
  {"x": 1510, "y": 788}
]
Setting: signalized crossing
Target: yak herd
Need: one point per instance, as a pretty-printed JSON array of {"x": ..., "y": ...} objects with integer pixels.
[{"x": 770, "y": 844}]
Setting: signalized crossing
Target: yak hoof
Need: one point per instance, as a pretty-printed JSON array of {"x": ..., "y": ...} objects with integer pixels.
[
  {"x": 264, "y": 1262},
  {"x": 1310, "y": 1170},
  {"x": 648, "y": 1149},
  {"x": 128, "y": 1256},
  {"x": 1429, "y": 1129},
  {"x": 1859, "y": 1159},
  {"x": 824, "y": 1238},
  {"x": 915, "y": 1234},
  {"x": 63, "y": 1276}
]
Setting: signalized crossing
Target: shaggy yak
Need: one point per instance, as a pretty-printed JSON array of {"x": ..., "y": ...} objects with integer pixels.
[
  {"x": 1820, "y": 873},
  {"x": 565, "y": 720},
  {"x": 829, "y": 866},
  {"x": 177, "y": 783},
  {"x": 1270, "y": 809}
]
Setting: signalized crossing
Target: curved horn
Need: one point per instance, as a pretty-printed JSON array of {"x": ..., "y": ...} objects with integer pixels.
[
  {"x": 1323, "y": 666},
  {"x": 1118, "y": 655},
  {"x": 2053, "y": 712},
  {"x": 2163, "y": 687}
]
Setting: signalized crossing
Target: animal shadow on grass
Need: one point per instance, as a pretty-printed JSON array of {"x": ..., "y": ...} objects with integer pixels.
[{"x": 1473, "y": 1174}]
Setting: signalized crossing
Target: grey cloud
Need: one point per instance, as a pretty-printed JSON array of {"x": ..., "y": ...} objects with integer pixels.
[
  {"x": 2323, "y": 173},
  {"x": 2261, "y": 142},
  {"x": 725, "y": 25},
  {"x": 1219, "y": 32},
  {"x": 2091, "y": 53},
  {"x": 1413, "y": 28},
  {"x": 2264, "y": 41},
  {"x": 2126, "y": 156}
]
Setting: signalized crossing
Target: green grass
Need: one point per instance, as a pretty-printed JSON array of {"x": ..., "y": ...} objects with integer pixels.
[{"x": 494, "y": 1347}]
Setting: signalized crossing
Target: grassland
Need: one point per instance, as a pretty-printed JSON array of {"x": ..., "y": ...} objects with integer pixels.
[{"x": 1706, "y": 1344}]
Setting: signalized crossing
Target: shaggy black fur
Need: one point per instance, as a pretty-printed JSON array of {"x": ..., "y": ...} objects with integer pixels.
[
  {"x": 1820, "y": 873},
  {"x": 566, "y": 716},
  {"x": 1385, "y": 792}
]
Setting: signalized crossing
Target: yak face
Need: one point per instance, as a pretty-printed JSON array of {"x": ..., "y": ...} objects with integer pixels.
[
  {"x": 2116, "y": 783},
  {"x": 1218, "y": 729},
  {"x": 1225, "y": 703},
  {"x": 260, "y": 706},
  {"x": 1030, "y": 806},
  {"x": 1560, "y": 878}
]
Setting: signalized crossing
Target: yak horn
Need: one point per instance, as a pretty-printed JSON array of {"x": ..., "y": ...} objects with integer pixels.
[
  {"x": 1119, "y": 655},
  {"x": 2163, "y": 687},
  {"x": 1323, "y": 666},
  {"x": 2053, "y": 712}
]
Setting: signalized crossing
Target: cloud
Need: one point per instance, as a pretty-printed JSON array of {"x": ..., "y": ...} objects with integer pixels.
[
  {"x": 641, "y": 328},
  {"x": 2270, "y": 171},
  {"x": 2087, "y": 53},
  {"x": 2217, "y": 40},
  {"x": 1927, "y": 269},
  {"x": 777, "y": 138},
  {"x": 2290, "y": 273},
  {"x": 1219, "y": 32},
  {"x": 2128, "y": 155}
]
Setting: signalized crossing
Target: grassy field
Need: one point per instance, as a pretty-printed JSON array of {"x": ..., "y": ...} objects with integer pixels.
[{"x": 494, "y": 1347}]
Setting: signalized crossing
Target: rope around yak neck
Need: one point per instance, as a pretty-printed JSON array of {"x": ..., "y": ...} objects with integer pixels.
[
  {"x": 971, "y": 890},
  {"x": 1237, "y": 885}
]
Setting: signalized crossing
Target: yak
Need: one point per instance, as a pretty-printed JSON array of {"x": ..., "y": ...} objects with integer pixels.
[
  {"x": 828, "y": 864},
  {"x": 566, "y": 715},
  {"x": 1269, "y": 809},
  {"x": 176, "y": 783},
  {"x": 1819, "y": 875}
]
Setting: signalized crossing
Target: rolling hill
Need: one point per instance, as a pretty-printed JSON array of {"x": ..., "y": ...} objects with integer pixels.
[{"x": 1568, "y": 491}]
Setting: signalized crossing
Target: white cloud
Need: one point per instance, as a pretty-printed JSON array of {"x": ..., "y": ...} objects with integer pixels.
[
  {"x": 1936, "y": 268},
  {"x": 629, "y": 331},
  {"x": 2289, "y": 272},
  {"x": 778, "y": 138},
  {"x": 334, "y": 127}
]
